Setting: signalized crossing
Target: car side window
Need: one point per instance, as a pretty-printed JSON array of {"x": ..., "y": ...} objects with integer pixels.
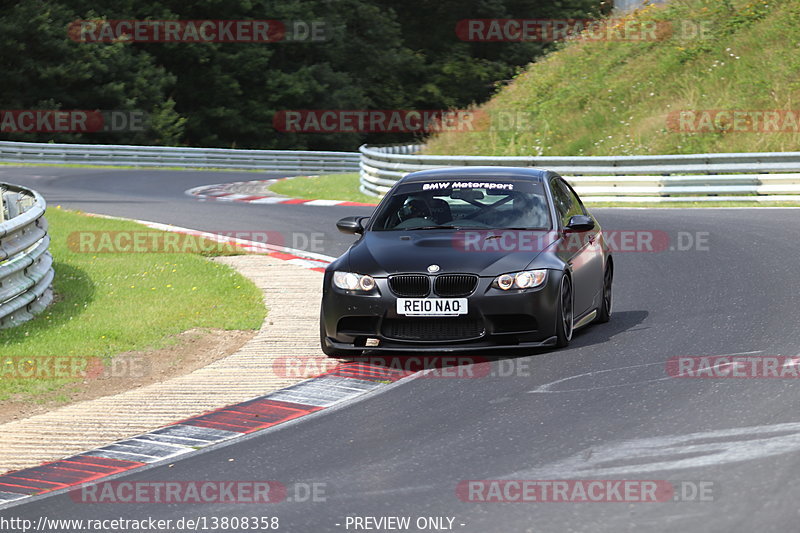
[
  {"x": 561, "y": 200},
  {"x": 577, "y": 205},
  {"x": 566, "y": 201}
]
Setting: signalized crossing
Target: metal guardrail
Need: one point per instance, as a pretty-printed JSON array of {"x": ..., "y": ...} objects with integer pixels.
[
  {"x": 170, "y": 156},
  {"x": 26, "y": 266},
  {"x": 623, "y": 6},
  {"x": 760, "y": 176}
]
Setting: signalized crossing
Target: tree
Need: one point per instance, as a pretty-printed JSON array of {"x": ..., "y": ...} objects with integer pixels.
[
  {"x": 44, "y": 69},
  {"x": 377, "y": 54}
]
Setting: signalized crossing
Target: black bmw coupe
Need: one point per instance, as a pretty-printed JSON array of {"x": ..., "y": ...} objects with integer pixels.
[{"x": 469, "y": 258}]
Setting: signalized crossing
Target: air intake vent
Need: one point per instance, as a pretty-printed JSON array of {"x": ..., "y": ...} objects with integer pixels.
[{"x": 433, "y": 329}]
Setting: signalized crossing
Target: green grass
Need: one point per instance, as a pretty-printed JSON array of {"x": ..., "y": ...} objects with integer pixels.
[
  {"x": 109, "y": 303},
  {"x": 616, "y": 98},
  {"x": 328, "y": 187}
]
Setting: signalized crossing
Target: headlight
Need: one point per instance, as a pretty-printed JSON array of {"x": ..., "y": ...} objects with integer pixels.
[
  {"x": 526, "y": 279},
  {"x": 353, "y": 282}
]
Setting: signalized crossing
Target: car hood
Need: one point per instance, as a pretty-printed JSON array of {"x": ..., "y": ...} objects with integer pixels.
[{"x": 484, "y": 252}]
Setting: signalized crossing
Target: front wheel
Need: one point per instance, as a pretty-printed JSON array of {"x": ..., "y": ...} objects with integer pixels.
[
  {"x": 564, "y": 324},
  {"x": 604, "y": 313}
]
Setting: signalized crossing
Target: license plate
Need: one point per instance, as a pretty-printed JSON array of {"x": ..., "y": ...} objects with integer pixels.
[{"x": 431, "y": 306}]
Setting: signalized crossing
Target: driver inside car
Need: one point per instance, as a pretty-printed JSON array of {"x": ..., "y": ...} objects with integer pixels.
[{"x": 414, "y": 207}]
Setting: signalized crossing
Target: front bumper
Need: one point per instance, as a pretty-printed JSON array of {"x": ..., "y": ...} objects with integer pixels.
[{"x": 495, "y": 319}]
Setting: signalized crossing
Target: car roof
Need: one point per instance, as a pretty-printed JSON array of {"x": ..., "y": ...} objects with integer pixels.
[{"x": 484, "y": 173}]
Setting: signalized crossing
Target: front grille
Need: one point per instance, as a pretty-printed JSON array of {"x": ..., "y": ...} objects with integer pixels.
[
  {"x": 455, "y": 285},
  {"x": 410, "y": 285},
  {"x": 433, "y": 329}
]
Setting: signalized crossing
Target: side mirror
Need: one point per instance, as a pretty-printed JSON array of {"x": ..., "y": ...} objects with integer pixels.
[
  {"x": 353, "y": 225},
  {"x": 580, "y": 223}
]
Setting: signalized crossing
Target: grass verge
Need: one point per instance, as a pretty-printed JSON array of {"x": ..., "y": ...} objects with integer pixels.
[
  {"x": 659, "y": 95},
  {"x": 327, "y": 187},
  {"x": 110, "y": 303}
]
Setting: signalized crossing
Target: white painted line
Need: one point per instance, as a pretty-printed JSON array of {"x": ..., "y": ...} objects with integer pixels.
[
  {"x": 319, "y": 393},
  {"x": 195, "y": 433},
  {"x": 141, "y": 450},
  {"x": 345, "y": 382},
  {"x": 268, "y": 200},
  {"x": 11, "y": 496},
  {"x": 169, "y": 439},
  {"x": 151, "y": 445},
  {"x": 307, "y": 264},
  {"x": 324, "y": 202},
  {"x": 122, "y": 456}
]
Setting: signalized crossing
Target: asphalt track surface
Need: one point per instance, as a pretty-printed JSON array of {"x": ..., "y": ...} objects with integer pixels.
[{"x": 605, "y": 408}]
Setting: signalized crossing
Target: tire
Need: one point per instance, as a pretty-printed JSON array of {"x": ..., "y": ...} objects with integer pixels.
[
  {"x": 327, "y": 350},
  {"x": 604, "y": 312},
  {"x": 566, "y": 316}
]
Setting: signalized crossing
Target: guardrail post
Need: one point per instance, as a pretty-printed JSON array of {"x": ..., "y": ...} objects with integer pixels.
[{"x": 11, "y": 201}]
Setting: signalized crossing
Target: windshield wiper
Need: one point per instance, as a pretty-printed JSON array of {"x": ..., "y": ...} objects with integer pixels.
[
  {"x": 448, "y": 226},
  {"x": 442, "y": 226}
]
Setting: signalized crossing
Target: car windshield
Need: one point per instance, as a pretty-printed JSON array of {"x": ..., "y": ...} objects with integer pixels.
[{"x": 464, "y": 205}]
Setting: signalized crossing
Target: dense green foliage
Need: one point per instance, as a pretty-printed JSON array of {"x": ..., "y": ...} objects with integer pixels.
[{"x": 379, "y": 54}]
